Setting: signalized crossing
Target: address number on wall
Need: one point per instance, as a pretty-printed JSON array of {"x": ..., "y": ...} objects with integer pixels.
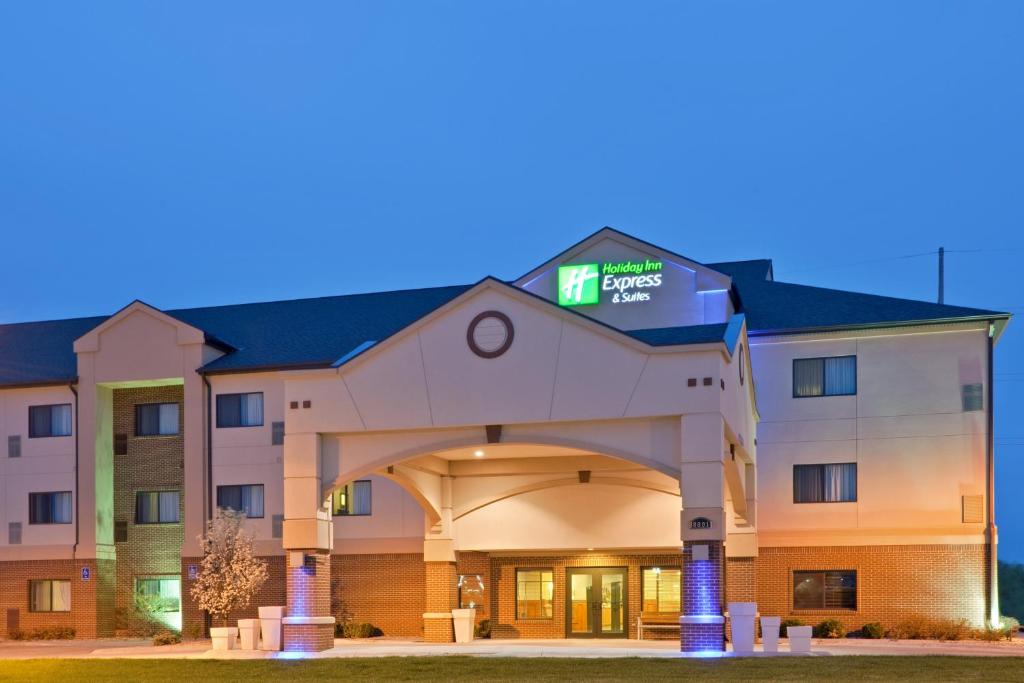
[{"x": 700, "y": 523}]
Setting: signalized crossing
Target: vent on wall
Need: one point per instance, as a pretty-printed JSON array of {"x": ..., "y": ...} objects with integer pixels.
[
  {"x": 14, "y": 446},
  {"x": 120, "y": 444},
  {"x": 277, "y": 433},
  {"x": 14, "y": 533},
  {"x": 973, "y": 509},
  {"x": 120, "y": 532},
  {"x": 971, "y": 397},
  {"x": 276, "y": 522}
]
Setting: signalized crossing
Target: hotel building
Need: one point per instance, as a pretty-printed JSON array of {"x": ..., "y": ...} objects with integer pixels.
[{"x": 621, "y": 434}]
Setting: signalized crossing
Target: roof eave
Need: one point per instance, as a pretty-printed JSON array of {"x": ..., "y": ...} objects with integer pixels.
[{"x": 994, "y": 318}]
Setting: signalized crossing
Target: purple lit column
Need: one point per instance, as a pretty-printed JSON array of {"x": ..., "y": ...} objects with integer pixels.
[{"x": 702, "y": 626}]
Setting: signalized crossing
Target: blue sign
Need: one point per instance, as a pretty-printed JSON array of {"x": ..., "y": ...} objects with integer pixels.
[
  {"x": 85, "y": 573},
  {"x": 193, "y": 572}
]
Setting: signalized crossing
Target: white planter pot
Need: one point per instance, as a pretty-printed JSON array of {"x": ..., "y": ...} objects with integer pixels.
[
  {"x": 799, "y": 638},
  {"x": 224, "y": 637},
  {"x": 270, "y": 627},
  {"x": 770, "y": 633},
  {"x": 741, "y": 617},
  {"x": 464, "y": 623},
  {"x": 249, "y": 633}
]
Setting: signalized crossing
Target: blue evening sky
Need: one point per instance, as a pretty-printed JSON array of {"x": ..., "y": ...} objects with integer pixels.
[{"x": 204, "y": 153}]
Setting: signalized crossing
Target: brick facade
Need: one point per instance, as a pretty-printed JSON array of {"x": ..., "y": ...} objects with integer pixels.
[
  {"x": 271, "y": 594},
  {"x": 703, "y": 597},
  {"x": 893, "y": 582},
  {"x": 309, "y": 595},
  {"x": 386, "y": 590},
  {"x": 92, "y": 608}
]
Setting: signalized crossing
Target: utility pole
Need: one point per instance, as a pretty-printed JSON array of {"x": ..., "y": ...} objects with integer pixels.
[{"x": 942, "y": 274}]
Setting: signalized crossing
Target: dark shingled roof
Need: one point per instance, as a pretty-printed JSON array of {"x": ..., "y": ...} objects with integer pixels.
[
  {"x": 772, "y": 306},
  {"x": 319, "y": 332},
  {"x": 41, "y": 353},
  {"x": 310, "y": 332}
]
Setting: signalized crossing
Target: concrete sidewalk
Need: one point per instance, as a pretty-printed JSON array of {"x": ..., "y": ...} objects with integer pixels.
[{"x": 389, "y": 647}]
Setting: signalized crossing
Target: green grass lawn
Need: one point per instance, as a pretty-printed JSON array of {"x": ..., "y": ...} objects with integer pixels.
[{"x": 828, "y": 669}]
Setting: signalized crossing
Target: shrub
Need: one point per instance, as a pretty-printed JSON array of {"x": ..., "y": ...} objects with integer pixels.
[
  {"x": 195, "y": 631},
  {"x": 42, "y": 633},
  {"x": 356, "y": 630},
  {"x": 788, "y": 622},
  {"x": 873, "y": 631},
  {"x": 830, "y": 628},
  {"x": 924, "y": 628},
  {"x": 483, "y": 629},
  {"x": 1011, "y": 625},
  {"x": 166, "y": 638}
]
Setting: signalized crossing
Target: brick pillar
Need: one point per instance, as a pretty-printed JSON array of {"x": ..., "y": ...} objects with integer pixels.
[
  {"x": 441, "y": 594},
  {"x": 702, "y": 626},
  {"x": 309, "y": 626}
]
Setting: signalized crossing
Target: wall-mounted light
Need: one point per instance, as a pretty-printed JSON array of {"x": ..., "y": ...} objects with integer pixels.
[{"x": 478, "y": 453}]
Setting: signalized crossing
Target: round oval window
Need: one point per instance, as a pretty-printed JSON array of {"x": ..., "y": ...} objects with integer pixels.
[{"x": 490, "y": 334}]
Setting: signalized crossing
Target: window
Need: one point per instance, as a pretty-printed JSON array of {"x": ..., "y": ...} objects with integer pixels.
[
  {"x": 49, "y": 421},
  {"x": 49, "y": 596},
  {"x": 835, "y": 376},
  {"x": 156, "y": 419},
  {"x": 352, "y": 499},
  {"x": 825, "y": 590},
  {"x": 53, "y": 507},
  {"x": 471, "y": 591},
  {"x": 247, "y": 498},
  {"x": 159, "y": 594},
  {"x": 156, "y": 507},
  {"x": 661, "y": 590},
  {"x": 833, "y": 483},
  {"x": 240, "y": 410},
  {"x": 971, "y": 397},
  {"x": 534, "y": 591}
]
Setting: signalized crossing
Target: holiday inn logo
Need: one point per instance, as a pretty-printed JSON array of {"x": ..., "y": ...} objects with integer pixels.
[
  {"x": 577, "y": 285},
  {"x": 582, "y": 284}
]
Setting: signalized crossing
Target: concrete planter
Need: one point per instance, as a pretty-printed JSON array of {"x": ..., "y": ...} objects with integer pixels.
[
  {"x": 770, "y": 633},
  {"x": 270, "y": 625},
  {"x": 224, "y": 637},
  {"x": 249, "y": 633},
  {"x": 799, "y": 638},
  {"x": 741, "y": 617},
  {"x": 464, "y": 621}
]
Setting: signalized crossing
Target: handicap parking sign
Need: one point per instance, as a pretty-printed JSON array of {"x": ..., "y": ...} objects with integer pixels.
[{"x": 85, "y": 573}]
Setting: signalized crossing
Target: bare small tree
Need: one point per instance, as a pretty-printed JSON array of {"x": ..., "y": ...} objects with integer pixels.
[{"x": 230, "y": 574}]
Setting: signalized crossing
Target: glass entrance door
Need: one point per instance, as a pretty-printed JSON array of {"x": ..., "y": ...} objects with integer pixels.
[{"x": 596, "y": 602}]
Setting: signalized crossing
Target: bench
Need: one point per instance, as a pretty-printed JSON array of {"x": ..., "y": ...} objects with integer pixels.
[{"x": 656, "y": 621}]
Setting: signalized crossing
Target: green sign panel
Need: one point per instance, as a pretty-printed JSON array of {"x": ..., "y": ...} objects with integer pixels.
[
  {"x": 624, "y": 281},
  {"x": 577, "y": 285}
]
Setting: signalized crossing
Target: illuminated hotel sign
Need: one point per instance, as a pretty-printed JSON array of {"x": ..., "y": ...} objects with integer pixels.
[{"x": 620, "y": 282}]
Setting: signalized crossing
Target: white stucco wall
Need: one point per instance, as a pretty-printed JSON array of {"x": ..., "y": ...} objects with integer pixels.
[{"x": 916, "y": 451}]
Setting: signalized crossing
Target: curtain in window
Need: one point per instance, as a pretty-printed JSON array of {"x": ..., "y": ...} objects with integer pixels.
[
  {"x": 252, "y": 409},
  {"x": 62, "y": 507},
  {"x": 168, "y": 506},
  {"x": 60, "y": 420},
  {"x": 149, "y": 420},
  {"x": 39, "y": 421},
  {"x": 146, "y": 508},
  {"x": 252, "y": 500},
  {"x": 360, "y": 498},
  {"x": 808, "y": 486},
  {"x": 841, "y": 375},
  {"x": 840, "y": 482},
  {"x": 808, "y": 377},
  {"x": 229, "y": 497},
  {"x": 61, "y": 596},
  {"x": 168, "y": 418},
  {"x": 40, "y": 596}
]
